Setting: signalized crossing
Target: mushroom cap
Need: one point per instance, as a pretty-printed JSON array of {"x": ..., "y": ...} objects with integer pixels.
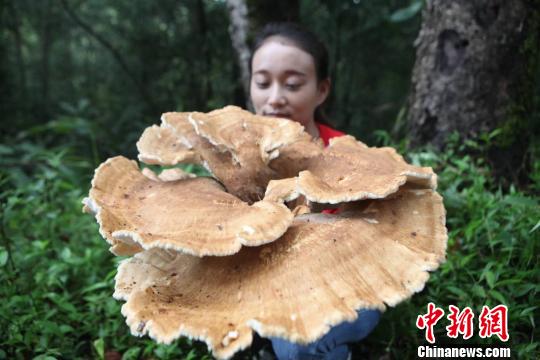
[
  {"x": 349, "y": 170},
  {"x": 246, "y": 182},
  {"x": 176, "y": 141},
  {"x": 191, "y": 215},
  {"x": 161, "y": 146},
  {"x": 245, "y": 151},
  {"x": 232, "y": 129},
  {"x": 233, "y": 144},
  {"x": 282, "y": 190},
  {"x": 323, "y": 269},
  {"x": 295, "y": 157}
]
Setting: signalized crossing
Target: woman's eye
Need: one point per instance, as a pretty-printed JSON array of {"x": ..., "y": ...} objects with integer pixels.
[
  {"x": 293, "y": 87},
  {"x": 262, "y": 85}
]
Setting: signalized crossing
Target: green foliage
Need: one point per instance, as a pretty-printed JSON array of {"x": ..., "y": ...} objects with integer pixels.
[
  {"x": 70, "y": 104},
  {"x": 371, "y": 47},
  {"x": 122, "y": 63},
  {"x": 119, "y": 63},
  {"x": 493, "y": 247},
  {"x": 57, "y": 277},
  {"x": 406, "y": 13}
]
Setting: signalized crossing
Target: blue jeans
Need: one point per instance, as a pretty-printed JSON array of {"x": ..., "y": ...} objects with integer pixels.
[{"x": 334, "y": 345}]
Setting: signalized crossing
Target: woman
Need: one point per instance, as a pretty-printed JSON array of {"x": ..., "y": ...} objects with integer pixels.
[{"x": 289, "y": 78}]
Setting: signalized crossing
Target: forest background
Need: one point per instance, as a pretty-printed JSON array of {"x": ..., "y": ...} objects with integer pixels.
[{"x": 81, "y": 79}]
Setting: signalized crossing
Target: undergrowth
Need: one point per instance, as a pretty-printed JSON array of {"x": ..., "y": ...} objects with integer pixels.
[
  {"x": 492, "y": 257},
  {"x": 56, "y": 277}
]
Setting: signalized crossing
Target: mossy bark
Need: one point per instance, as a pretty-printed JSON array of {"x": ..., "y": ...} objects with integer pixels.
[{"x": 475, "y": 70}]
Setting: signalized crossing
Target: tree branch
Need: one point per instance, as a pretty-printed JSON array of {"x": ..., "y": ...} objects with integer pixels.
[{"x": 238, "y": 30}]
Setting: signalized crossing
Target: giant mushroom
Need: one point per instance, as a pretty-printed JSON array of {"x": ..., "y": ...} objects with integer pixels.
[{"x": 218, "y": 258}]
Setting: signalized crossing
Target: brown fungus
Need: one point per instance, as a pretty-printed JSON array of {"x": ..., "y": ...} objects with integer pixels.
[
  {"x": 137, "y": 211},
  {"x": 348, "y": 170},
  {"x": 233, "y": 144},
  {"x": 301, "y": 272},
  {"x": 317, "y": 275}
]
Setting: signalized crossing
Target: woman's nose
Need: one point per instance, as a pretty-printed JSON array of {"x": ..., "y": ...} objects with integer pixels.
[{"x": 277, "y": 97}]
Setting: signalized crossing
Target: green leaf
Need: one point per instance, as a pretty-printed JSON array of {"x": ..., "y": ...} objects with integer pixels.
[
  {"x": 490, "y": 278},
  {"x": 471, "y": 228},
  {"x": 191, "y": 355},
  {"x": 65, "y": 254},
  {"x": 462, "y": 294},
  {"x": 5, "y": 150},
  {"x": 96, "y": 286},
  {"x": 516, "y": 200},
  {"x": 463, "y": 261},
  {"x": 65, "y": 328},
  {"x": 479, "y": 291},
  {"x": 131, "y": 353},
  {"x": 508, "y": 282},
  {"x": 535, "y": 227},
  {"x": 498, "y": 296},
  {"x": 99, "y": 346},
  {"x": 406, "y": 13},
  {"x": 3, "y": 256},
  {"x": 527, "y": 350},
  {"x": 524, "y": 289},
  {"x": 527, "y": 311}
]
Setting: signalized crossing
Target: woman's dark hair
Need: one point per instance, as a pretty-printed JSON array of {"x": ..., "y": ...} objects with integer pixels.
[{"x": 303, "y": 39}]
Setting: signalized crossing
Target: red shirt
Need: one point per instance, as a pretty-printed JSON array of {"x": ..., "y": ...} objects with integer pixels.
[{"x": 326, "y": 133}]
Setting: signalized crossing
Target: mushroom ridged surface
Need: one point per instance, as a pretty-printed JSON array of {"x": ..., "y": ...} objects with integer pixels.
[
  {"x": 348, "y": 170},
  {"x": 233, "y": 144},
  {"x": 216, "y": 259},
  {"x": 191, "y": 215},
  {"x": 161, "y": 146},
  {"x": 240, "y": 132},
  {"x": 323, "y": 269}
]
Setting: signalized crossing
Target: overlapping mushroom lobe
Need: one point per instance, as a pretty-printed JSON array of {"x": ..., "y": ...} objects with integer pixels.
[
  {"x": 191, "y": 215},
  {"x": 233, "y": 144},
  {"x": 162, "y": 146},
  {"x": 348, "y": 170},
  {"x": 317, "y": 275},
  {"x": 288, "y": 272},
  {"x": 236, "y": 130}
]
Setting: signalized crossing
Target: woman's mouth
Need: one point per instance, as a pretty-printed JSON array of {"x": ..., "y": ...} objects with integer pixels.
[{"x": 279, "y": 115}]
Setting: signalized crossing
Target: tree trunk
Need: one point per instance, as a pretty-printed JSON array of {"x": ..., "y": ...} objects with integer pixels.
[
  {"x": 203, "y": 31},
  {"x": 46, "y": 41},
  {"x": 260, "y": 12},
  {"x": 14, "y": 25},
  {"x": 238, "y": 30},
  {"x": 471, "y": 73}
]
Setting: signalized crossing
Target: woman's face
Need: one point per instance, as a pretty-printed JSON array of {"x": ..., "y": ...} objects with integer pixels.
[{"x": 284, "y": 82}]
